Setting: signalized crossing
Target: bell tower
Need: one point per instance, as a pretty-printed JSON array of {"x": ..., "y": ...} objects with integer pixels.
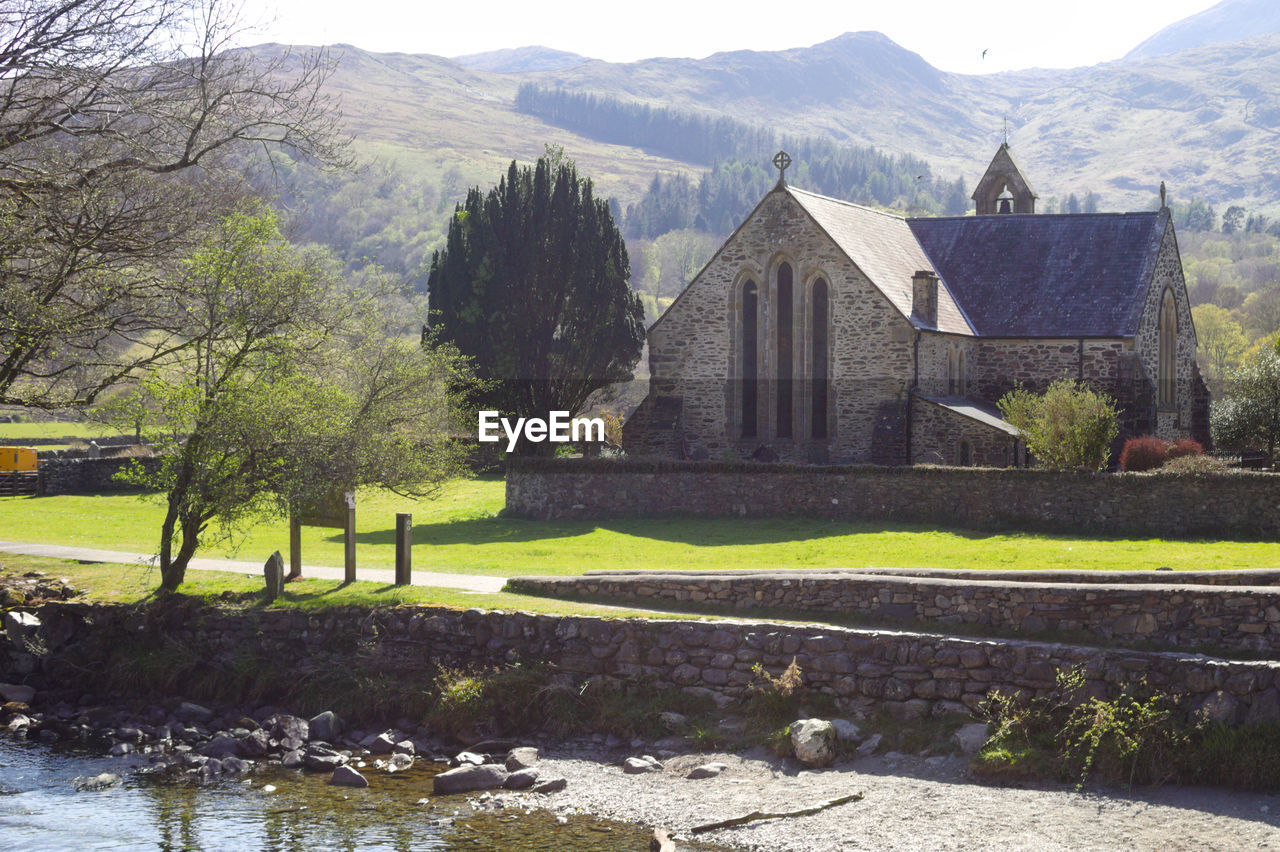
[{"x": 1004, "y": 189}]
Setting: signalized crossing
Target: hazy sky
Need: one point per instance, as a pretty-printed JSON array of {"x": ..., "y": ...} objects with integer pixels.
[{"x": 949, "y": 34}]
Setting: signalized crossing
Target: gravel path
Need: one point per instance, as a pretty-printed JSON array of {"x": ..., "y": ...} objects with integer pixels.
[{"x": 912, "y": 804}]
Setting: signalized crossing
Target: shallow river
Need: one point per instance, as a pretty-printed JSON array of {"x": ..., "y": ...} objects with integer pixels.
[{"x": 42, "y": 809}]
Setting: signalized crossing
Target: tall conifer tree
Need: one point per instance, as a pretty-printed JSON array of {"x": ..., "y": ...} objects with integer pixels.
[{"x": 533, "y": 286}]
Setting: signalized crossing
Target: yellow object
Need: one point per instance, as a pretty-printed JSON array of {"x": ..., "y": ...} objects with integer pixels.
[{"x": 17, "y": 459}]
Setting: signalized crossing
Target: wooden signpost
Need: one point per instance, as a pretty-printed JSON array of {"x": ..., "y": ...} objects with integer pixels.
[{"x": 337, "y": 511}]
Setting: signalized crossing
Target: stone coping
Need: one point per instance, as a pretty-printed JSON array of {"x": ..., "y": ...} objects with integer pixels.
[{"x": 1257, "y": 577}]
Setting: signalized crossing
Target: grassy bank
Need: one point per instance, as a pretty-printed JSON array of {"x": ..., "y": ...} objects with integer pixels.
[
  {"x": 462, "y": 531},
  {"x": 132, "y": 584}
]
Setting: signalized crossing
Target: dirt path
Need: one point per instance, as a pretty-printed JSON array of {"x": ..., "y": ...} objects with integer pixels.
[{"x": 913, "y": 804}]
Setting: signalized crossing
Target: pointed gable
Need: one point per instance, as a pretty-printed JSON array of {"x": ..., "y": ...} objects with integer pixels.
[
  {"x": 1046, "y": 276},
  {"x": 1004, "y": 173},
  {"x": 883, "y": 247}
]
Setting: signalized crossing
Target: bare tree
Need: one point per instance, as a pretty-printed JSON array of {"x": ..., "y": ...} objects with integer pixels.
[{"x": 124, "y": 127}]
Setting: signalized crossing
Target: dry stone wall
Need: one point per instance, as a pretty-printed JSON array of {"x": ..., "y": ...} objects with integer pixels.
[
  {"x": 910, "y": 674},
  {"x": 1231, "y": 505},
  {"x": 1171, "y": 613},
  {"x": 86, "y": 476}
]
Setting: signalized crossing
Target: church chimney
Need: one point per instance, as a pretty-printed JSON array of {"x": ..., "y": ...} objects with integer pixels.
[{"x": 924, "y": 298}]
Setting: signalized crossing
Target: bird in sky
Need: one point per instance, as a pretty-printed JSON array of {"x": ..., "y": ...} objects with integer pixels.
[{"x": 984, "y": 53}]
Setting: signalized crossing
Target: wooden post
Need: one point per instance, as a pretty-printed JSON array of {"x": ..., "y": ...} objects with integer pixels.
[
  {"x": 404, "y": 549},
  {"x": 295, "y": 548},
  {"x": 349, "y": 538}
]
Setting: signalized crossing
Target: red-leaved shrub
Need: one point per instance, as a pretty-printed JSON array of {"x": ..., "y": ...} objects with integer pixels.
[
  {"x": 1185, "y": 447},
  {"x": 1145, "y": 453}
]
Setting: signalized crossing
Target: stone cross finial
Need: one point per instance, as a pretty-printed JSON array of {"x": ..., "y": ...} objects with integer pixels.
[
  {"x": 782, "y": 160},
  {"x": 1163, "y": 202}
]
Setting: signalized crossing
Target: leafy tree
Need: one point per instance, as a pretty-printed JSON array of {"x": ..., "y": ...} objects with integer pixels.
[
  {"x": 288, "y": 390},
  {"x": 1221, "y": 343},
  {"x": 532, "y": 287},
  {"x": 1233, "y": 221},
  {"x": 1068, "y": 427},
  {"x": 123, "y": 125},
  {"x": 1250, "y": 415}
]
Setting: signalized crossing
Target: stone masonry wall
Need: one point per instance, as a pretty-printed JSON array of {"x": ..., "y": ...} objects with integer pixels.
[
  {"x": 1173, "y": 614},
  {"x": 1234, "y": 505},
  {"x": 911, "y": 675},
  {"x": 86, "y": 476},
  {"x": 936, "y": 434},
  {"x": 1173, "y": 423}
]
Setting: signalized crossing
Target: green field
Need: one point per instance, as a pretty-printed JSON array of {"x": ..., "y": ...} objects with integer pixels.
[
  {"x": 131, "y": 584},
  {"x": 462, "y": 532},
  {"x": 11, "y": 433}
]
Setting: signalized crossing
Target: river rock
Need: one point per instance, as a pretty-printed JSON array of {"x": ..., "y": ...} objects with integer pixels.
[
  {"x": 321, "y": 758},
  {"x": 521, "y": 758},
  {"x": 466, "y": 779},
  {"x": 20, "y": 693},
  {"x": 256, "y": 744},
  {"x": 383, "y": 743},
  {"x": 20, "y": 626},
  {"x": 972, "y": 737},
  {"x": 121, "y": 749},
  {"x": 399, "y": 761},
  {"x": 293, "y": 759},
  {"x": 466, "y": 758},
  {"x": 405, "y": 747},
  {"x": 232, "y": 765},
  {"x": 846, "y": 731},
  {"x": 640, "y": 765},
  {"x": 814, "y": 741},
  {"x": 550, "y": 785},
  {"x": 706, "y": 770},
  {"x": 673, "y": 721},
  {"x": 521, "y": 779},
  {"x": 345, "y": 776},
  {"x": 223, "y": 745},
  {"x": 870, "y": 744},
  {"x": 189, "y": 711},
  {"x": 289, "y": 731},
  {"x": 105, "y": 781},
  {"x": 326, "y": 726}
]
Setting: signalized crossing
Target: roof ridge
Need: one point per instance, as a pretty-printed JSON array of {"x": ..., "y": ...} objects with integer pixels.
[{"x": 853, "y": 204}]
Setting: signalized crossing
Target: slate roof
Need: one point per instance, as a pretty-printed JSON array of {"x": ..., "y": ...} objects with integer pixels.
[
  {"x": 985, "y": 414},
  {"x": 883, "y": 247},
  {"x": 1046, "y": 276}
]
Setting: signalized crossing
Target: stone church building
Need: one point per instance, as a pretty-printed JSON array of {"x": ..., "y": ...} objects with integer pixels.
[{"x": 826, "y": 332}]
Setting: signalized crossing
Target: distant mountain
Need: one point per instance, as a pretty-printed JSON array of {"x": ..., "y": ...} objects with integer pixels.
[
  {"x": 519, "y": 60},
  {"x": 1231, "y": 20}
]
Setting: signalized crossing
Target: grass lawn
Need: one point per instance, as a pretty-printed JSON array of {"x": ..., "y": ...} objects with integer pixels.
[
  {"x": 16, "y": 433},
  {"x": 132, "y": 584},
  {"x": 461, "y": 532}
]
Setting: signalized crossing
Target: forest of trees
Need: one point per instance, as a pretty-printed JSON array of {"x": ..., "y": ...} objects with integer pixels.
[{"x": 737, "y": 155}]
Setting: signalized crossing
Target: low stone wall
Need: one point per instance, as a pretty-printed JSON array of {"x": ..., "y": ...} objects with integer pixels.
[
  {"x": 911, "y": 674},
  {"x": 1229, "y": 505},
  {"x": 86, "y": 476},
  {"x": 1172, "y": 614}
]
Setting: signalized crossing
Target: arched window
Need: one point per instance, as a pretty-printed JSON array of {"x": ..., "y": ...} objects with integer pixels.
[
  {"x": 1168, "y": 368},
  {"x": 964, "y": 454},
  {"x": 750, "y": 373},
  {"x": 952, "y": 369},
  {"x": 784, "y": 350},
  {"x": 961, "y": 383},
  {"x": 818, "y": 369}
]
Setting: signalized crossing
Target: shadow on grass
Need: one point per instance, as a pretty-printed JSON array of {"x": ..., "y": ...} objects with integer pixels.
[{"x": 688, "y": 530}]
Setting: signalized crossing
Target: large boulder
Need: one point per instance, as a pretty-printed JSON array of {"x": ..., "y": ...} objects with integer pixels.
[
  {"x": 814, "y": 741},
  {"x": 466, "y": 779},
  {"x": 17, "y": 692},
  {"x": 326, "y": 726},
  {"x": 521, "y": 758},
  {"x": 345, "y": 776},
  {"x": 641, "y": 765},
  {"x": 972, "y": 737}
]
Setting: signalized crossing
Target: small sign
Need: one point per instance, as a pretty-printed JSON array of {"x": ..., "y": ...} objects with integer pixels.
[{"x": 330, "y": 511}]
